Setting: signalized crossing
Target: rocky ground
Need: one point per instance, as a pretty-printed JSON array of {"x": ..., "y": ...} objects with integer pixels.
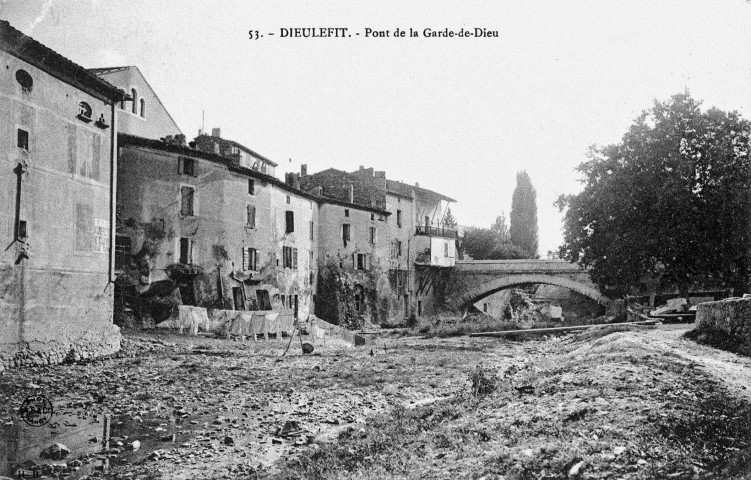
[{"x": 604, "y": 404}]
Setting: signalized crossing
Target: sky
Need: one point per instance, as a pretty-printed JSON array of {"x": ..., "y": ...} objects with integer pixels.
[{"x": 461, "y": 116}]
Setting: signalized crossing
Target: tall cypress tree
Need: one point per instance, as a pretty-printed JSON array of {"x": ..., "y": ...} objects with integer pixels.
[{"x": 523, "y": 217}]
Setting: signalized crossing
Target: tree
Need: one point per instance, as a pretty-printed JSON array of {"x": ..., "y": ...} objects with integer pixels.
[
  {"x": 448, "y": 220},
  {"x": 486, "y": 244},
  {"x": 523, "y": 218},
  {"x": 667, "y": 204},
  {"x": 500, "y": 228}
]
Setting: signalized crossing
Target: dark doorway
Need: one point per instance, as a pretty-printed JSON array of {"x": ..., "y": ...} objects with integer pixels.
[
  {"x": 293, "y": 301},
  {"x": 264, "y": 301},
  {"x": 185, "y": 284},
  {"x": 237, "y": 294}
]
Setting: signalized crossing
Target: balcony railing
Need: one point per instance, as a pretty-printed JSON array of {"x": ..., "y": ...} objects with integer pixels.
[{"x": 436, "y": 231}]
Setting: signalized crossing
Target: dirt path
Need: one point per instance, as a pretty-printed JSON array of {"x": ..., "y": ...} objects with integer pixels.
[{"x": 733, "y": 370}]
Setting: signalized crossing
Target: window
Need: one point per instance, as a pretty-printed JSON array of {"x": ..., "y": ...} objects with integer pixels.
[
  {"x": 289, "y": 257},
  {"x": 84, "y": 111},
  {"x": 373, "y": 235},
  {"x": 283, "y": 298},
  {"x": 135, "y": 100},
  {"x": 23, "y": 139},
  {"x": 143, "y": 108},
  {"x": 311, "y": 229},
  {"x": 289, "y": 220},
  {"x": 346, "y": 212},
  {"x": 445, "y": 249},
  {"x": 186, "y": 166},
  {"x": 372, "y": 217},
  {"x": 186, "y": 251},
  {"x": 25, "y": 80},
  {"x": 251, "y": 216},
  {"x": 345, "y": 233},
  {"x": 399, "y": 218},
  {"x": 123, "y": 246},
  {"x": 397, "y": 249},
  {"x": 288, "y": 199},
  {"x": 251, "y": 187},
  {"x": 361, "y": 261},
  {"x": 485, "y": 307},
  {"x": 419, "y": 308},
  {"x": 250, "y": 259},
  {"x": 359, "y": 298},
  {"x": 186, "y": 201},
  {"x": 427, "y": 221}
]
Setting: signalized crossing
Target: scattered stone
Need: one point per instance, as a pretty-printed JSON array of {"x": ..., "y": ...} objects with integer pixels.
[
  {"x": 134, "y": 445},
  {"x": 228, "y": 441},
  {"x": 576, "y": 469}
]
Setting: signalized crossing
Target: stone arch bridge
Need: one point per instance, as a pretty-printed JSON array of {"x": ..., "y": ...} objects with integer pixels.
[{"x": 473, "y": 280}]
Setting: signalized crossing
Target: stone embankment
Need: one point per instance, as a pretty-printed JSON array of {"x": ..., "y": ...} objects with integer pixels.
[{"x": 732, "y": 316}]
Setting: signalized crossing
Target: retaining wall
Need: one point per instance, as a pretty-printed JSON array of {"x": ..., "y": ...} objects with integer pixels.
[{"x": 731, "y": 316}]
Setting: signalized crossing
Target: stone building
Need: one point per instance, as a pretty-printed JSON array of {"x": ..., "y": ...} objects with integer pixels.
[
  {"x": 227, "y": 235},
  {"x": 58, "y": 145},
  {"x": 408, "y": 269},
  {"x": 241, "y": 154},
  {"x": 142, "y": 115}
]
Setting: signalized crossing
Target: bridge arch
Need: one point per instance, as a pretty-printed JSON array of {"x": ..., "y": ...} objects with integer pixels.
[{"x": 490, "y": 287}]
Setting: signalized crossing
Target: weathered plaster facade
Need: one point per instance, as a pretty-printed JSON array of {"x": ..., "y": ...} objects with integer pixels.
[
  {"x": 55, "y": 183},
  {"x": 143, "y": 115},
  {"x": 353, "y": 246},
  {"x": 412, "y": 257},
  {"x": 232, "y": 239}
]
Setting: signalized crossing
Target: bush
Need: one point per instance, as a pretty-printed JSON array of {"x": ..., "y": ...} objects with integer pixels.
[{"x": 483, "y": 381}]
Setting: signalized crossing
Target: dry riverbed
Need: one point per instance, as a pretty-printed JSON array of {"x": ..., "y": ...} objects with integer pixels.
[{"x": 604, "y": 404}]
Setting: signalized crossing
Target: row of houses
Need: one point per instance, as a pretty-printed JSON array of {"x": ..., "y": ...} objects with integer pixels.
[{"x": 107, "y": 204}]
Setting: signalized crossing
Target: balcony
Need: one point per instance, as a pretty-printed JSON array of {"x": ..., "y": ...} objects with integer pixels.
[{"x": 436, "y": 231}]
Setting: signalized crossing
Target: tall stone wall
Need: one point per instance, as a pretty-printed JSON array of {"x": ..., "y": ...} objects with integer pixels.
[{"x": 730, "y": 316}]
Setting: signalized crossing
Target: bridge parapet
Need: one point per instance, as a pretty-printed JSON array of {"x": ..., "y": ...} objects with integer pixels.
[{"x": 518, "y": 266}]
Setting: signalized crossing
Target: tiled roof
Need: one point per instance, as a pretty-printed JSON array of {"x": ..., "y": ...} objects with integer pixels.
[
  {"x": 101, "y": 71},
  {"x": 44, "y": 58},
  {"x": 404, "y": 189}
]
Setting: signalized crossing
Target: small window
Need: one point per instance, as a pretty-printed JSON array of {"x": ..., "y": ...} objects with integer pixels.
[
  {"x": 250, "y": 259},
  {"x": 359, "y": 298},
  {"x": 445, "y": 249},
  {"x": 143, "y": 108},
  {"x": 372, "y": 217},
  {"x": 346, "y": 233},
  {"x": 311, "y": 229},
  {"x": 23, "y": 139},
  {"x": 84, "y": 111},
  {"x": 346, "y": 212},
  {"x": 289, "y": 218},
  {"x": 289, "y": 257},
  {"x": 361, "y": 261},
  {"x": 25, "y": 80},
  {"x": 133, "y": 94},
  {"x": 485, "y": 307},
  {"x": 123, "y": 245},
  {"x": 251, "y": 186},
  {"x": 22, "y": 231},
  {"x": 288, "y": 199},
  {"x": 186, "y": 201},
  {"x": 186, "y": 251},
  {"x": 419, "y": 308},
  {"x": 399, "y": 218},
  {"x": 186, "y": 166},
  {"x": 373, "y": 235},
  {"x": 251, "y": 216}
]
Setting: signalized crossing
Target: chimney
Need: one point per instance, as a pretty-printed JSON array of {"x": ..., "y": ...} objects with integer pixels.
[
  {"x": 351, "y": 193},
  {"x": 304, "y": 170},
  {"x": 216, "y": 132}
]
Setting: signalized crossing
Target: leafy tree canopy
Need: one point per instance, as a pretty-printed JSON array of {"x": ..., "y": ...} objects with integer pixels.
[{"x": 670, "y": 202}]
